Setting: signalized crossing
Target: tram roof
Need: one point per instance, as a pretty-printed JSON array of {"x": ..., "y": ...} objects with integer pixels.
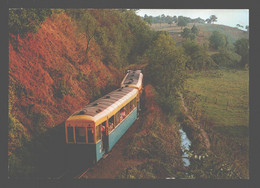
[
  {"x": 107, "y": 105},
  {"x": 133, "y": 79}
]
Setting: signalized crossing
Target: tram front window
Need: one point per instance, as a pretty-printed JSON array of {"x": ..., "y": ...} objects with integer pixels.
[
  {"x": 70, "y": 134},
  {"x": 90, "y": 135},
  {"x": 80, "y": 134}
]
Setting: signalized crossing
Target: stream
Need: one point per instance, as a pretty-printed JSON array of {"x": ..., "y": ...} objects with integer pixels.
[{"x": 185, "y": 146}]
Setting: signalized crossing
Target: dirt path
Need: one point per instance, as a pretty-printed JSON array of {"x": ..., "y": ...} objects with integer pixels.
[
  {"x": 115, "y": 162},
  {"x": 203, "y": 132}
]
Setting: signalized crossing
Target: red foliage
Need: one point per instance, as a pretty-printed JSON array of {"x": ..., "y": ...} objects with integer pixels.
[{"x": 39, "y": 62}]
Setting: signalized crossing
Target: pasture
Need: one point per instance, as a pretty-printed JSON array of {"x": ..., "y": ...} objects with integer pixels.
[{"x": 223, "y": 94}]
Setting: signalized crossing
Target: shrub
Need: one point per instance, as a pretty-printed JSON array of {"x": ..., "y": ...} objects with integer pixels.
[
  {"x": 63, "y": 90},
  {"x": 227, "y": 58},
  {"x": 218, "y": 40}
]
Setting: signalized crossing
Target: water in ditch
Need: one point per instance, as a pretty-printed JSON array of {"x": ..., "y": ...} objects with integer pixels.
[{"x": 185, "y": 146}]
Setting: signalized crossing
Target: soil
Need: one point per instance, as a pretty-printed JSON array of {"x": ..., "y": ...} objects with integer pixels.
[{"x": 115, "y": 162}]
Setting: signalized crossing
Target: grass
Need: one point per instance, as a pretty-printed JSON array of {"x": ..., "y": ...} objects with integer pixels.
[
  {"x": 223, "y": 94},
  {"x": 223, "y": 97}
]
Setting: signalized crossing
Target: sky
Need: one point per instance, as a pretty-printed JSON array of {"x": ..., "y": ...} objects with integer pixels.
[{"x": 229, "y": 17}]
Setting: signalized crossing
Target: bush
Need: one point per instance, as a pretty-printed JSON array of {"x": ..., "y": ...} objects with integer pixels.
[
  {"x": 63, "y": 90},
  {"x": 218, "y": 40},
  {"x": 227, "y": 58}
]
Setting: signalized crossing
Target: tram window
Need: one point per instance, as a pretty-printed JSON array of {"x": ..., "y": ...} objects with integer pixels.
[
  {"x": 90, "y": 135},
  {"x": 111, "y": 124},
  {"x": 126, "y": 109},
  {"x": 70, "y": 134},
  {"x": 98, "y": 132},
  {"x": 80, "y": 134},
  {"x": 131, "y": 105},
  {"x": 117, "y": 118},
  {"x": 122, "y": 113},
  {"x": 134, "y": 102}
]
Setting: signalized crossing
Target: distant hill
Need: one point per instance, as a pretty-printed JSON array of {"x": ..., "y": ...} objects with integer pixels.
[{"x": 205, "y": 31}]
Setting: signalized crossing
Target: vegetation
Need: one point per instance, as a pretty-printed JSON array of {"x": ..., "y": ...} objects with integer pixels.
[
  {"x": 23, "y": 21},
  {"x": 72, "y": 57},
  {"x": 242, "y": 49},
  {"x": 227, "y": 58},
  {"x": 218, "y": 40},
  {"x": 166, "y": 70},
  {"x": 171, "y": 19},
  {"x": 198, "y": 58},
  {"x": 219, "y": 91},
  {"x": 225, "y": 118},
  {"x": 154, "y": 143}
]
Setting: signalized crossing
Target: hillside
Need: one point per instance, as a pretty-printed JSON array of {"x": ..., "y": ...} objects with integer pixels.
[
  {"x": 205, "y": 31},
  {"x": 50, "y": 74}
]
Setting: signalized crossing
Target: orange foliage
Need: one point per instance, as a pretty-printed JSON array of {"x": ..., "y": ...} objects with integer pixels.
[{"x": 40, "y": 61}]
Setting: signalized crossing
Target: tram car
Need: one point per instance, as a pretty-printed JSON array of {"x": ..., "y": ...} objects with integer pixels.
[{"x": 93, "y": 131}]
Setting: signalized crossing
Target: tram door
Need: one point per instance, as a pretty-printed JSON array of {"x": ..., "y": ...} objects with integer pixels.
[{"x": 104, "y": 137}]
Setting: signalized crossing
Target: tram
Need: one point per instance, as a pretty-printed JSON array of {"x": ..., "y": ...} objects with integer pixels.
[{"x": 93, "y": 131}]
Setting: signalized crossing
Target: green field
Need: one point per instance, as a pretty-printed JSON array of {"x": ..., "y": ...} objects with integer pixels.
[{"x": 223, "y": 94}]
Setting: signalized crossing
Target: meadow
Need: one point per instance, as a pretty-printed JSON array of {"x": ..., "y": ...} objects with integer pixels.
[{"x": 222, "y": 97}]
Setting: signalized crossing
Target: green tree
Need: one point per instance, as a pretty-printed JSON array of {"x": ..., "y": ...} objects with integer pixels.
[
  {"x": 181, "y": 22},
  {"x": 213, "y": 18},
  {"x": 22, "y": 21},
  {"x": 218, "y": 40},
  {"x": 198, "y": 57},
  {"x": 148, "y": 19},
  {"x": 186, "y": 33},
  {"x": 208, "y": 21},
  {"x": 175, "y": 19},
  {"x": 86, "y": 24},
  {"x": 242, "y": 49},
  {"x": 170, "y": 21},
  {"x": 195, "y": 30},
  {"x": 166, "y": 69}
]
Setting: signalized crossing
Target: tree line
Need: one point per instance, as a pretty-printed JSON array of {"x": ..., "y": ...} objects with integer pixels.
[{"x": 234, "y": 55}]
